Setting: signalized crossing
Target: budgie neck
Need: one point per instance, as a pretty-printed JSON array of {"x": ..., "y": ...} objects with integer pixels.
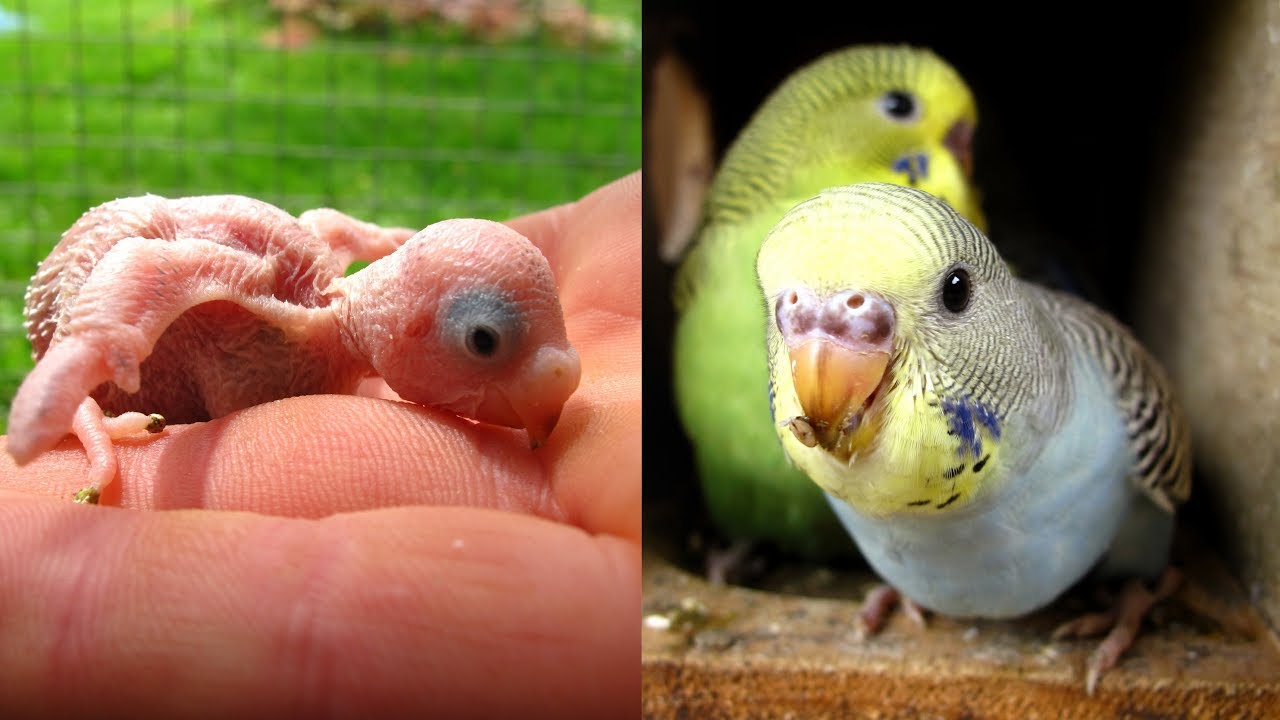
[{"x": 776, "y": 162}]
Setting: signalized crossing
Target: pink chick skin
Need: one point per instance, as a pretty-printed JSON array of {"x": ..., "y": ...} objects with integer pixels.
[{"x": 154, "y": 310}]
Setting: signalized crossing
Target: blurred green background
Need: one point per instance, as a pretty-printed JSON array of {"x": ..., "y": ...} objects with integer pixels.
[{"x": 402, "y": 112}]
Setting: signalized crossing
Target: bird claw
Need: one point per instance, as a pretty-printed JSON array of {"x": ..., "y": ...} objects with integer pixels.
[
  {"x": 1103, "y": 658},
  {"x": 1124, "y": 620},
  {"x": 97, "y": 431},
  {"x": 88, "y": 496},
  {"x": 913, "y": 611},
  {"x": 878, "y": 605}
]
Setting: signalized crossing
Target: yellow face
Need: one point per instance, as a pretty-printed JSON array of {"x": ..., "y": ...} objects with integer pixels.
[
  {"x": 870, "y": 113},
  {"x": 921, "y": 443},
  {"x": 913, "y": 128}
]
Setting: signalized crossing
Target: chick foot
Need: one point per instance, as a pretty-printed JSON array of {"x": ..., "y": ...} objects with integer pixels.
[
  {"x": 878, "y": 605},
  {"x": 96, "y": 431},
  {"x": 1123, "y": 620}
]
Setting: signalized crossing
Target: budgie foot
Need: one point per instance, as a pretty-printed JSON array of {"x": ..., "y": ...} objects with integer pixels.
[
  {"x": 96, "y": 432},
  {"x": 1123, "y": 619},
  {"x": 878, "y": 605},
  {"x": 735, "y": 563}
]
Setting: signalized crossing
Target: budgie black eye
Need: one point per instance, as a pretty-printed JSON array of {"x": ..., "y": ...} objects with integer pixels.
[
  {"x": 482, "y": 341},
  {"x": 955, "y": 290},
  {"x": 899, "y": 106}
]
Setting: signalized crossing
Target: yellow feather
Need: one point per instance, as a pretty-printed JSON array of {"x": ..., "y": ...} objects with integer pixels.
[
  {"x": 828, "y": 124},
  {"x": 908, "y": 461}
]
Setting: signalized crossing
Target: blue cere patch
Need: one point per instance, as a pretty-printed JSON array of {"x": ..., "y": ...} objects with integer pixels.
[
  {"x": 965, "y": 416},
  {"x": 915, "y": 167}
]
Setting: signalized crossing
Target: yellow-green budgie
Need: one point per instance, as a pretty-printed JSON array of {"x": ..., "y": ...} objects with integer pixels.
[
  {"x": 987, "y": 442},
  {"x": 888, "y": 113}
]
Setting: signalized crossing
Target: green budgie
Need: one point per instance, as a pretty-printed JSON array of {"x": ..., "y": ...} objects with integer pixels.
[
  {"x": 987, "y": 442},
  {"x": 888, "y": 113}
]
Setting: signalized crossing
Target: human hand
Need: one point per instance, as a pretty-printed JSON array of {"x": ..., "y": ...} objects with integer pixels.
[{"x": 342, "y": 555}]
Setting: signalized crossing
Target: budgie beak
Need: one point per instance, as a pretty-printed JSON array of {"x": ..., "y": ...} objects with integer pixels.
[
  {"x": 839, "y": 347},
  {"x": 959, "y": 140},
  {"x": 833, "y": 382}
]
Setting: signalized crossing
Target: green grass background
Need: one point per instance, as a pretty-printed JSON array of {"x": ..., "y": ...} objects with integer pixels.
[{"x": 404, "y": 126}]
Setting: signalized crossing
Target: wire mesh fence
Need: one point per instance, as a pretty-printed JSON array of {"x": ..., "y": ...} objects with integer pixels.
[{"x": 402, "y": 112}]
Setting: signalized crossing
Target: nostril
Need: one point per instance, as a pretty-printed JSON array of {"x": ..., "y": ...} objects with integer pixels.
[
  {"x": 786, "y": 304},
  {"x": 854, "y": 301}
]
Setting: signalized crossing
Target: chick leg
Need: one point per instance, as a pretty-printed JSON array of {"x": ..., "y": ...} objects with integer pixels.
[
  {"x": 135, "y": 292},
  {"x": 1123, "y": 619},
  {"x": 96, "y": 431}
]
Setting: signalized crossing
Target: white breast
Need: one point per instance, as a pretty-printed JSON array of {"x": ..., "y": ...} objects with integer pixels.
[{"x": 1015, "y": 549}]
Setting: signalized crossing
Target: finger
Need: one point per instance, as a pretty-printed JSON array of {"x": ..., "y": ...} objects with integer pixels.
[
  {"x": 312, "y": 456},
  {"x": 593, "y": 246},
  {"x": 447, "y": 611},
  {"x": 598, "y": 482}
]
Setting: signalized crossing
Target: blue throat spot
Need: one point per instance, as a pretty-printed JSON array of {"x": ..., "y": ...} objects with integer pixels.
[
  {"x": 915, "y": 167},
  {"x": 964, "y": 418}
]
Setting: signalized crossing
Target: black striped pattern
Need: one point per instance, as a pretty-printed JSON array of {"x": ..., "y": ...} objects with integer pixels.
[
  {"x": 980, "y": 355},
  {"x": 1156, "y": 426},
  {"x": 1009, "y": 349},
  {"x": 760, "y": 159}
]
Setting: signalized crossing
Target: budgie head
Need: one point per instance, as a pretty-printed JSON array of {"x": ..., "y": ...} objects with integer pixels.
[
  {"x": 898, "y": 347},
  {"x": 880, "y": 113}
]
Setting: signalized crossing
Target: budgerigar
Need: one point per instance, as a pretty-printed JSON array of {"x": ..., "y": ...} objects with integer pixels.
[
  {"x": 887, "y": 113},
  {"x": 987, "y": 442},
  {"x": 186, "y": 309}
]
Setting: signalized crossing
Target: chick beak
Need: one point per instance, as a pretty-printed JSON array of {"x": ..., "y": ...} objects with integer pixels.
[
  {"x": 959, "y": 140},
  {"x": 839, "y": 346},
  {"x": 538, "y": 394}
]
